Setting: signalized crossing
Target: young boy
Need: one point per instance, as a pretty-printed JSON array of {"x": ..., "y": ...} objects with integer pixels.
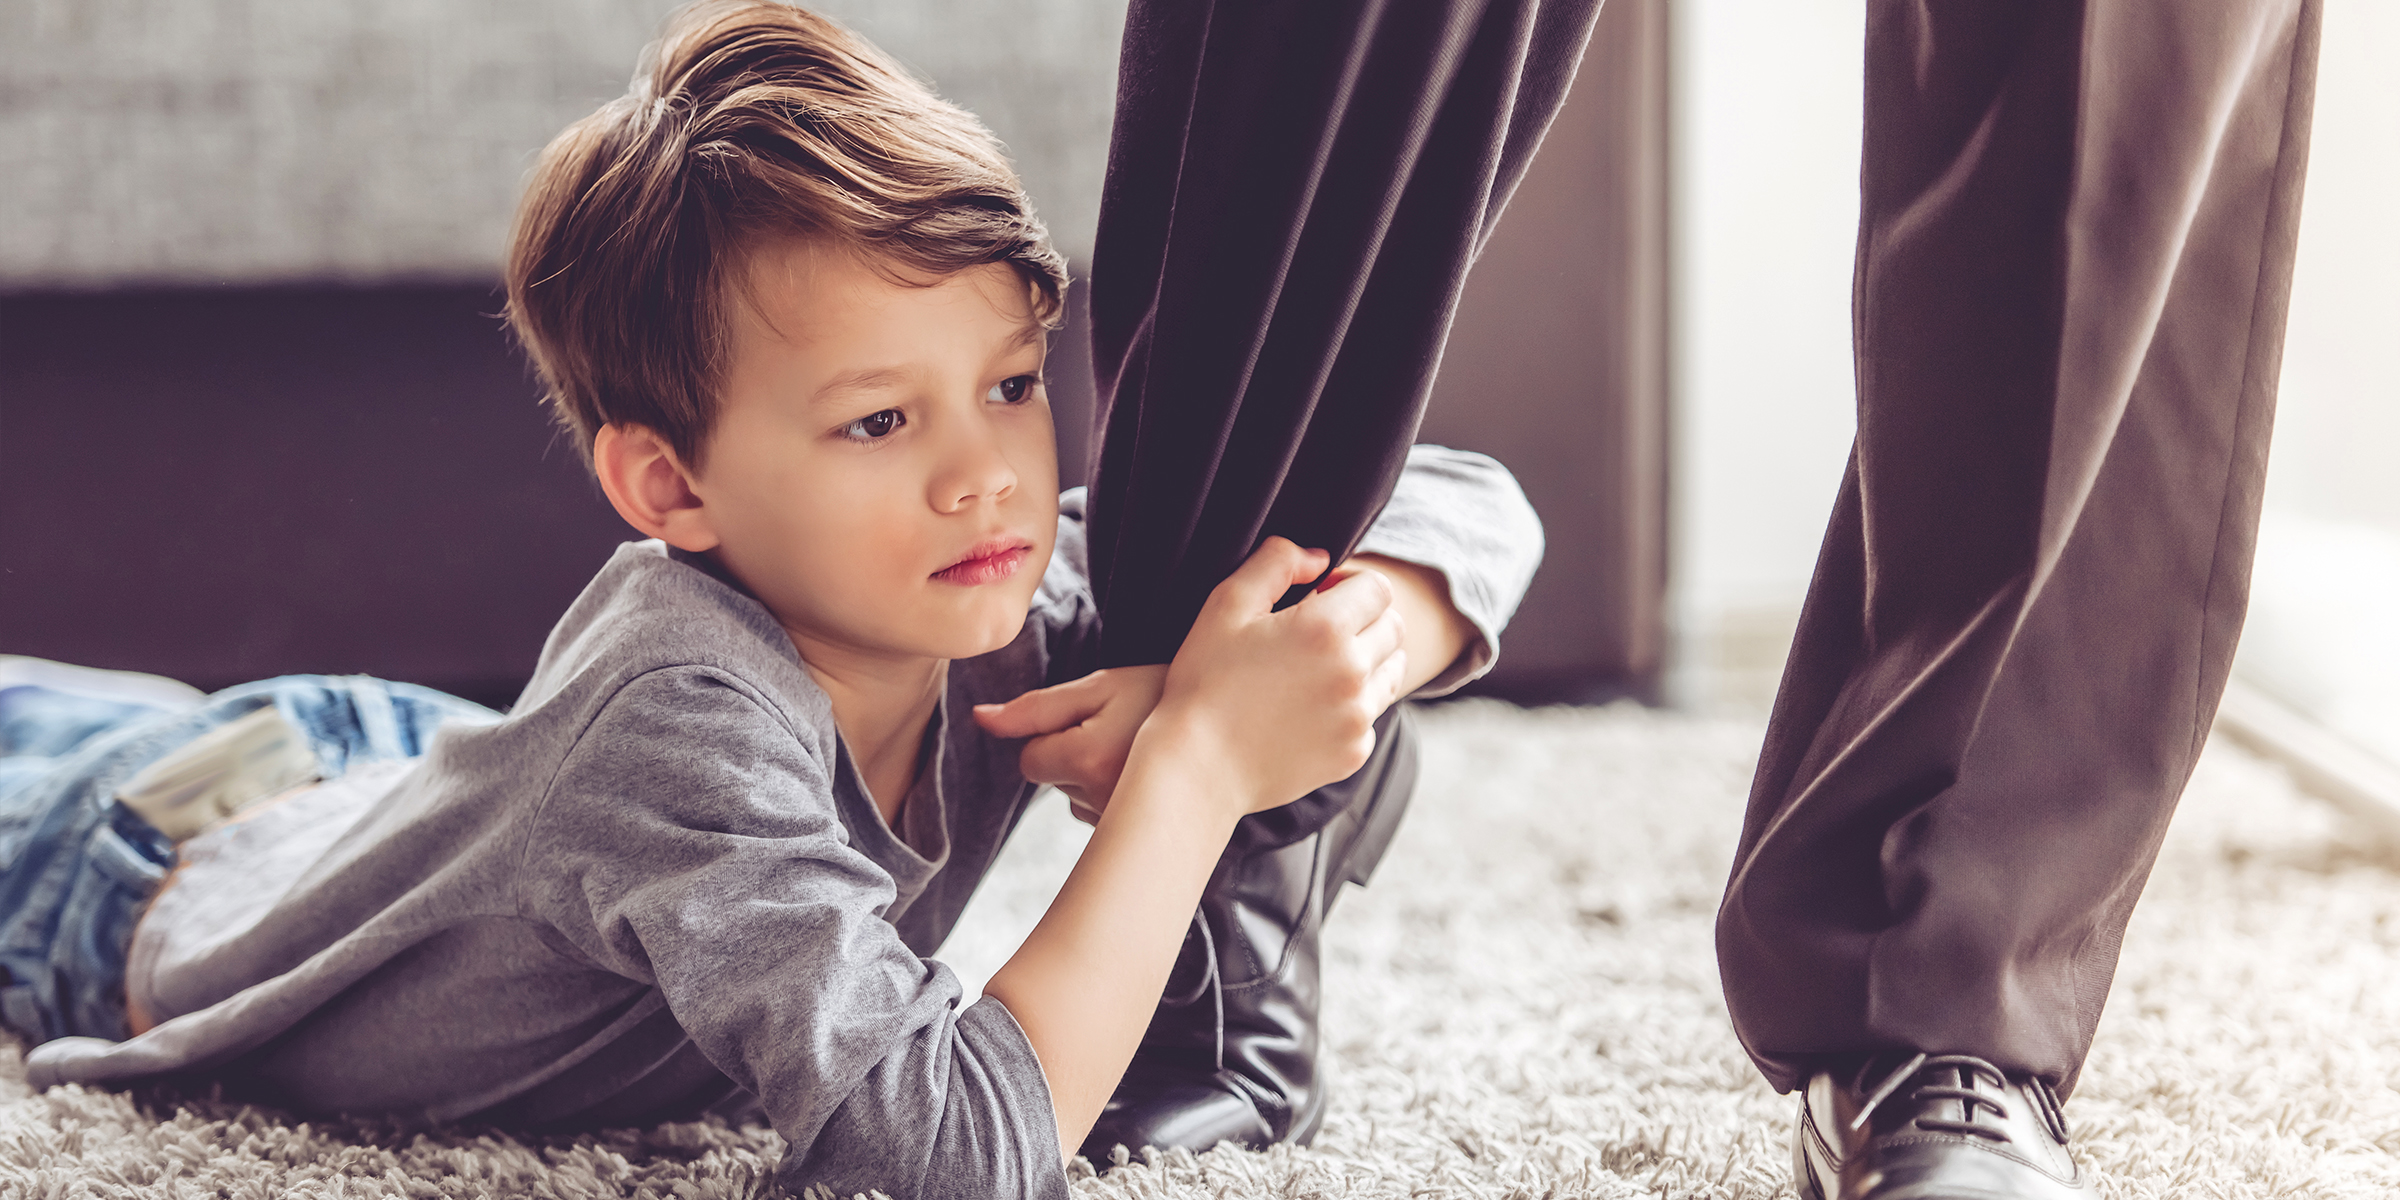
[{"x": 793, "y": 307}]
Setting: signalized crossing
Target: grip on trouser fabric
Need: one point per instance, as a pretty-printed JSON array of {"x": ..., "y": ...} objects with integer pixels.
[{"x": 1295, "y": 192}]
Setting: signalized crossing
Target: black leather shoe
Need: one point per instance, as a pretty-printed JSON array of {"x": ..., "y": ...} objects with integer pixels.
[
  {"x": 1231, "y": 1053},
  {"x": 1932, "y": 1127}
]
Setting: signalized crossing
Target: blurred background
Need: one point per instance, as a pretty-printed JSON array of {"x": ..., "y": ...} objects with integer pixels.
[{"x": 256, "y": 413}]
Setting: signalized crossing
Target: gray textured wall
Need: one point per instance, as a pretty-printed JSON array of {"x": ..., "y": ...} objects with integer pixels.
[{"x": 265, "y": 141}]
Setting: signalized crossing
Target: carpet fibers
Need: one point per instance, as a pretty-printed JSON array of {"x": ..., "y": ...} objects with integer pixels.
[{"x": 1525, "y": 1005}]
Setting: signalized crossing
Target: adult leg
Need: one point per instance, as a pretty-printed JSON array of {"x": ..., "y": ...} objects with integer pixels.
[
  {"x": 2075, "y": 246},
  {"x": 1295, "y": 192}
]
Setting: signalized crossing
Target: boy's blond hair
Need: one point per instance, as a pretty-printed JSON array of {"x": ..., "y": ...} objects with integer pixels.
[{"x": 747, "y": 120}]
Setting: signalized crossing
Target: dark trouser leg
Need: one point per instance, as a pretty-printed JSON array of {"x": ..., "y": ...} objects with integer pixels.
[
  {"x": 2075, "y": 246},
  {"x": 1296, "y": 189},
  {"x": 1231, "y": 1053}
]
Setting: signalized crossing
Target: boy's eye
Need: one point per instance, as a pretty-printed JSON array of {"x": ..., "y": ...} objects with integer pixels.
[
  {"x": 1016, "y": 389},
  {"x": 875, "y": 425}
]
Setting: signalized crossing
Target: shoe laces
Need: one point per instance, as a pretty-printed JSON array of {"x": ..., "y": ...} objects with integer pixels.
[{"x": 1969, "y": 1068}]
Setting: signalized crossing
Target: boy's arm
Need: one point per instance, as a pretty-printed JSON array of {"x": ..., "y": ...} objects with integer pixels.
[
  {"x": 1462, "y": 521},
  {"x": 1258, "y": 709},
  {"x": 1433, "y": 632}
]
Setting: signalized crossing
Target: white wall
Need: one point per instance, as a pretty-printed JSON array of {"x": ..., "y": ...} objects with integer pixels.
[
  {"x": 2337, "y": 427},
  {"x": 1768, "y": 96},
  {"x": 2324, "y": 627}
]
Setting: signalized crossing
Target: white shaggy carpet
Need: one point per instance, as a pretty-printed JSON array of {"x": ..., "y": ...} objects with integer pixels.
[{"x": 1525, "y": 1005}]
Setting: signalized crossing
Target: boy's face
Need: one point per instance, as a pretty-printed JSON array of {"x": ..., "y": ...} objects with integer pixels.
[{"x": 882, "y": 473}]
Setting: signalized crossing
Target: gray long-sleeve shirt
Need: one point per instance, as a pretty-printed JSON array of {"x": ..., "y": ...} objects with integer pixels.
[{"x": 659, "y": 887}]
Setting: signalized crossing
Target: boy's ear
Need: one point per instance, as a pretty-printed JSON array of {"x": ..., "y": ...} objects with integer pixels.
[{"x": 650, "y": 487}]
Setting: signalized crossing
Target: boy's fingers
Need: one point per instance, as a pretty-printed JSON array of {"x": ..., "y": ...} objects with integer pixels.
[
  {"x": 1384, "y": 636},
  {"x": 1384, "y": 682},
  {"x": 1355, "y": 603},
  {"x": 1053, "y": 758},
  {"x": 1045, "y": 710},
  {"x": 1271, "y": 570}
]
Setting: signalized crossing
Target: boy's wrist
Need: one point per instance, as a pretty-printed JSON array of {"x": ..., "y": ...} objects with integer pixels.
[{"x": 1180, "y": 742}]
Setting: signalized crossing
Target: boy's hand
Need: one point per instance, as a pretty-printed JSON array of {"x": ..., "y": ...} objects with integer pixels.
[
  {"x": 1288, "y": 700},
  {"x": 1081, "y": 731}
]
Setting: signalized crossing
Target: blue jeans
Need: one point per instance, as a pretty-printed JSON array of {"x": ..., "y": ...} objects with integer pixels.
[{"x": 77, "y": 867}]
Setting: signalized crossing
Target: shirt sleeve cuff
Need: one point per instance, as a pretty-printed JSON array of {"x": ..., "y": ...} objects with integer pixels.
[
  {"x": 999, "y": 1061},
  {"x": 1462, "y": 515}
]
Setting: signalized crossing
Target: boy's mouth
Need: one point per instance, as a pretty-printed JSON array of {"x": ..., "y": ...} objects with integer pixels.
[{"x": 988, "y": 562}]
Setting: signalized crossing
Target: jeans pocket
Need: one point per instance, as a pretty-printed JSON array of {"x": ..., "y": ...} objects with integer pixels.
[
  {"x": 123, "y": 863},
  {"x": 95, "y": 924}
]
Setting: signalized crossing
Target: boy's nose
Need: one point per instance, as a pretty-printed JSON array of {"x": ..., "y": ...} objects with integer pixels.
[{"x": 975, "y": 467}]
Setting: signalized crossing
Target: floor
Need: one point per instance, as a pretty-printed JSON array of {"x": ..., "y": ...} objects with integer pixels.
[{"x": 1525, "y": 1005}]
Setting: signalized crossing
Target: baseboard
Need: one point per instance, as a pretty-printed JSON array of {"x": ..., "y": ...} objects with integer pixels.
[{"x": 2325, "y": 764}]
